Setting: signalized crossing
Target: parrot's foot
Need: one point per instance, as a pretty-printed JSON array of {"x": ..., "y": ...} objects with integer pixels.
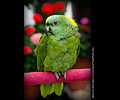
[
  {"x": 57, "y": 76},
  {"x": 64, "y": 75}
]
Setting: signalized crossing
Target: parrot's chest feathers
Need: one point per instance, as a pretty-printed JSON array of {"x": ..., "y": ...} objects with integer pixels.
[{"x": 61, "y": 54}]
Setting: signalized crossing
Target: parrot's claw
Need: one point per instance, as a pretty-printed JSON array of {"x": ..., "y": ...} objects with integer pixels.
[
  {"x": 57, "y": 76},
  {"x": 64, "y": 75}
]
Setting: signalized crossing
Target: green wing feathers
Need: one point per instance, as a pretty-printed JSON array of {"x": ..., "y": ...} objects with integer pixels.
[
  {"x": 41, "y": 50},
  {"x": 47, "y": 89},
  {"x": 39, "y": 63}
]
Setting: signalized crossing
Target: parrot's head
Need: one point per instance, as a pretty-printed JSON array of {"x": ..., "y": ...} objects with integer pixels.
[{"x": 60, "y": 26}]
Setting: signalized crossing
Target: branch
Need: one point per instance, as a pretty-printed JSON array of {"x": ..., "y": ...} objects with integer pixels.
[{"x": 35, "y": 78}]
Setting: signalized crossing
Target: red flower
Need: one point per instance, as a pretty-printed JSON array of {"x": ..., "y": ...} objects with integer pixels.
[
  {"x": 59, "y": 5},
  {"x": 37, "y": 17},
  {"x": 87, "y": 28},
  {"x": 29, "y": 30},
  {"x": 82, "y": 26},
  {"x": 48, "y": 8},
  {"x": 27, "y": 50}
]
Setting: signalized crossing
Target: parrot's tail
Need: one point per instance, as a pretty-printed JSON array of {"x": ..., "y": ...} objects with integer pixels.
[{"x": 47, "y": 89}]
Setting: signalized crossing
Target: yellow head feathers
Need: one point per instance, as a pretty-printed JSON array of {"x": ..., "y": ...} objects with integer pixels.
[
  {"x": 70, "y": 19},
  {"x": 47, "y": 19}
]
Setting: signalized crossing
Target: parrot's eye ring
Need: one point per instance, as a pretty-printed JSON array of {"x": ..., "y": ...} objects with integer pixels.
[{"x": 55, "y": 23}]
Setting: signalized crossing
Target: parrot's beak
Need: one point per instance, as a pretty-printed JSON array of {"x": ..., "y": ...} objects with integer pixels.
[{"x": 47, "y": 29}]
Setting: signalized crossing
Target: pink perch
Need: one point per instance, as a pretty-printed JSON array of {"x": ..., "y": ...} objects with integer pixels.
[{"x": 35, "y": 78}]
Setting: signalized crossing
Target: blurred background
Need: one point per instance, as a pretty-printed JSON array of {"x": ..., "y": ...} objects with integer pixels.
[{"x": 35, "y": 14}]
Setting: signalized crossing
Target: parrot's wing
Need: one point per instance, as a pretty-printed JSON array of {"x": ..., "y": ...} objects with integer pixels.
[{"x": 41, "y": 50}]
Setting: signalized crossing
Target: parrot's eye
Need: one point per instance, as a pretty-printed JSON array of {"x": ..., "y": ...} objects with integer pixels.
[{"x": 55, "y": 23}]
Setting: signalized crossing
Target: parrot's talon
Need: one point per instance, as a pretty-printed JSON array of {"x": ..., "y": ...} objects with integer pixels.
[
  {"x": 64, "y": 75},
  {"x": 59, "y": 74},
  {"x": 57, "y": 77}
]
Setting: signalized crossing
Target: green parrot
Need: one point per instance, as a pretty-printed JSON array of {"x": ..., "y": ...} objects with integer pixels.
[{"x": 57, "y": 50}]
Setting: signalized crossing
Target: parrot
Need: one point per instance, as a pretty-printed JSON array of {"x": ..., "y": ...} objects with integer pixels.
[{"x": 57, "y": 50}]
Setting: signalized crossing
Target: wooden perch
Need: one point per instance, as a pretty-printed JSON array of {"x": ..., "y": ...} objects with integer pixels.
[{"x": 35, "y": 78}]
